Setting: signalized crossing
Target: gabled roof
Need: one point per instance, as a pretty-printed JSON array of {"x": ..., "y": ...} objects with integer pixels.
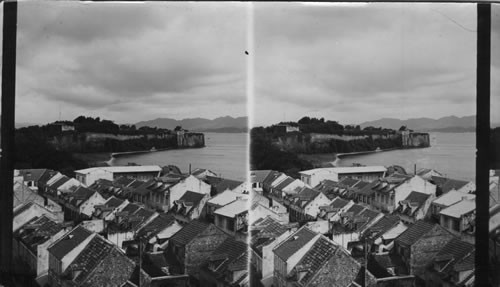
[
  {"x": 348, "y": 182},
  {"x": 228, "y": 254},
  {"x": 55, "y": 185},
  {"x": 447, "y": 184},
  {"x": 123, "y": 181},
  {"x": 130, "y": 208},
  {"x": 414, "y": 201},
  {"x": 22, "y": 208},
  {"x": 452, "y": 197},
  {"x": 383, "y": 225},
  {"x": 355, "y": 209},
  {"x": 32, "y": 174},
  {"x": 234, "y": 208},
  {"x": 114, "y": 202},
  {"x": 265, "y": 231},
  {"x": 259, "y": 175},
  {"x": 91, "y": 256},
  {"x": 453, "y": 252},
  {"x": 284, "y": 183},
  {"x": 188, "y": 202},
  {"x": 459, "y": 209},
  {"x": 321, "y": 251},
  {"x": 189, "y": 232},
  {"x": 192, "y": 197},
  {"x": 46, "y": 176},
  {"x": 37, "y": 231},
  {"x": 293, "y": 243},
  {"x": 69, "y": 241},
  {"x": 338, "y": 202},
  {"x": 226, "y": 197},
  {"x": 156, "y": 225},
  {"x": 273, "y": 175},
  {"x": 414, "y": 233},
  {"x": 227, "y": 184}
]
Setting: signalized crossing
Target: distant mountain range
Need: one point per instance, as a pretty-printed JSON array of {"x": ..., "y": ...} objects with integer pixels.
[
  {"x": 445, "y": 124},
  {"x": 225, "y": 124}
]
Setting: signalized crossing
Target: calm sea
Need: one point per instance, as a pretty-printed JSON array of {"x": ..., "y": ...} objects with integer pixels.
[
  {"x": 224, "y": 154},
  {"x": 452, "y": 154}
]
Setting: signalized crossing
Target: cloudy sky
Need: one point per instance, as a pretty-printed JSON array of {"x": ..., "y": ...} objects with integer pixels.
[
  {"x": 130, "y": 62},
  {"x": 354, "y": 63}
]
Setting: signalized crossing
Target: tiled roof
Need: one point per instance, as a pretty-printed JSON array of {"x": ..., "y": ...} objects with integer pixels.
[
  {"x": 227, "y": 253},
  {"x": 79, "y": 196},
  {"x": 453, "y": 252},
  {"x": 271, "y": 178},
  {"x": 460, "y": 208},
  {"x": 416, "y": 197},
  {"x": 123, "y": 181},
  {"x": 321, "y": 251},
  {"x": 447, "y": 184},
  {"x": 259, "y": 175},
  {"x": 284, "y": 183},
  {"x": 453, "y": 184},
  {"x": 355, "y": 209},
  {"x": 192, "y": 197},
  {"x": 265, "y": 232},
  {"x": 131, "y": 208},
  {"x": 90, "y": 257},
  {"x": 69, "y": 241},
  {"x": 293, "y": 243},
  {"x": 348, "y": 182},
  {"x": 339, "y": 202},
  {"x": 466, "y": 263},
  {"x": 369, "y": 215},
  {"x": 414, "y": 233},
  {"x": 156, "y": 225},
  {"x": 46, "y": 176},
  {"x": 188, "y": 232},
  {"x": 227, "y": 184},
  {"x": 367, "y": 189},
  {"x": 32, "y": 174},
  {"x": 383, "y": 225},
  {"x": 37, "y": 231},
  {"x": 59, "y": 182},
  {"x": 114, "y": 202}
]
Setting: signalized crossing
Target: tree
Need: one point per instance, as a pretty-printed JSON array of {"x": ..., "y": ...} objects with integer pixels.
[
  {"x": 178, "y": 128},
  {"x": 402, "y": 128}
]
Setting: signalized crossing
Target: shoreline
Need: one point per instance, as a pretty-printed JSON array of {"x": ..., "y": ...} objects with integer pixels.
[
  {"x": 95, "y": 159},
  {"x": 339, "y": 156}
]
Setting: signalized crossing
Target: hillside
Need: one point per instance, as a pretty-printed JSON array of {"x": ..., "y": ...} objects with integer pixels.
[
  {"x": 221, "y": 124},
  {"x": 445, "y": 124}
]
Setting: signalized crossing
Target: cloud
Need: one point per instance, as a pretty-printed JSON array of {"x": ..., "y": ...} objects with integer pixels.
[
  {"x": 364, "y": 59},
  {"x": 107, "y": 56}
]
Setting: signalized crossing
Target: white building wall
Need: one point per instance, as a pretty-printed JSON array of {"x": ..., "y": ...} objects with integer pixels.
[
  {"x": 312, "y": 209},
  {"x": 190, "y": 183},
  {"x": 66, "y": 260},
  {"x": 268, "y": 255},
  {"x": 43, "y": 254},
  {"x": 87, "y": 207},
  {"x": 295, "y": 258}
]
